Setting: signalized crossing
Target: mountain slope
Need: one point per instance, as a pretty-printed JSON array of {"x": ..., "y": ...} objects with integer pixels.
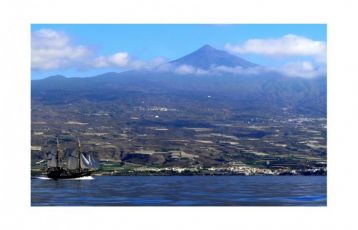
[
  {"x": 269, "y": 91},
  {"x": 207, "y": 56}
]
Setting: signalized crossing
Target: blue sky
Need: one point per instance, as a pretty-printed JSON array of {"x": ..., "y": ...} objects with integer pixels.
[{"x": 91, "y": 48}]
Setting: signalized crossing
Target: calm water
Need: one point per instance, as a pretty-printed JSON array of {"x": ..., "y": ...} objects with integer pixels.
[{"x": 181, "y": 190}]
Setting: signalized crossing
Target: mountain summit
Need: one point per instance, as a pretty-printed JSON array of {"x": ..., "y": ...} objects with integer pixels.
[{"x": 207, "y": 56}]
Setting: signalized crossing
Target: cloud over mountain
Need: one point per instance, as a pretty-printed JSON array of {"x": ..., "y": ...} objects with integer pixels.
[
  {"x": 303, "y": 69},
  {"x": 210, "y": 61},
  {"x": 56, "y": 50},
  {"x": 123, "y": 60},
  {"x": 288, "y": 45},
  {"x": 120, "y": 59}
]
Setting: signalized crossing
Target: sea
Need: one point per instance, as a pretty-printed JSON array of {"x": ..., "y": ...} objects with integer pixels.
[{"x": 180, "y": 191}]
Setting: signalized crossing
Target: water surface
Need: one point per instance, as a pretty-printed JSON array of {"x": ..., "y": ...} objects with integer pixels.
[{"x": 181, "y": 191}]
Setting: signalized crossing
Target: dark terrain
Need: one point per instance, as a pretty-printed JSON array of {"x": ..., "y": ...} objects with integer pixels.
[{"x": 145, "y": 120}]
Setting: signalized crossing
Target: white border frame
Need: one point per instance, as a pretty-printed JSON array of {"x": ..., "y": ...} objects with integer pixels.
[{"x": 16, "y": 18}]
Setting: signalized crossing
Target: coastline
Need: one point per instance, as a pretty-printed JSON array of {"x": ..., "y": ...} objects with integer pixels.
[{"x": 319, "y": 172}]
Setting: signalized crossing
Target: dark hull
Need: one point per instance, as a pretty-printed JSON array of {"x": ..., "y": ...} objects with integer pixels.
[{"x": 59, "y": 173}]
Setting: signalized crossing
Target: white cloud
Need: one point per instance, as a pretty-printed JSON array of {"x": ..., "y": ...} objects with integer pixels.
[
  {"x": 185, "y": 69},
  {"x": 146, "y": 65},
  {"x": 120, "y": 59},
  {"x": 166, "y": 67},
  {"x": 51, "y": 49},
  {"x": 158, "y": 61},
  {"x": 303, "y": 69},
  {"x": 288, "y": 45},
  {"x": 100, "y": 62},
  {"x": 239, "y": 70},
  {"x": 214, "y": 70}
]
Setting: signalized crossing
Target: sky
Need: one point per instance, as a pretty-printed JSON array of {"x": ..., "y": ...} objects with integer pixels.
[{"x": 82, "y": 50}]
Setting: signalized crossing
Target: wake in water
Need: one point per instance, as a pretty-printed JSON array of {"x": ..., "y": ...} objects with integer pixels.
[
  {"x": 42, "y": 178},
  {"x": 79, "y": 178},
  {"x": 82, "y": 178}
]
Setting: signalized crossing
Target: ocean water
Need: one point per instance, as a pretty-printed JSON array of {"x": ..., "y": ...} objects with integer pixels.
[{"x": 181, "y": 191}]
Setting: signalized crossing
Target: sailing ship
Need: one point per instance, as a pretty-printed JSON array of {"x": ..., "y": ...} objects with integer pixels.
[{"x": 77, "y": 164}]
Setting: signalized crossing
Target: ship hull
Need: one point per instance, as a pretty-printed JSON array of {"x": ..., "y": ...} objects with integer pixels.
[{"x": 65, "y": 174}]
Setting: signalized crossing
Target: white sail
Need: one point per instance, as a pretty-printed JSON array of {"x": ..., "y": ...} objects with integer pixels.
[
  {"x": 90, "y": 160},
  {"x": 85, "y": 163},
  {"x": 51, "y": 161},
  {"x": 72, "y": 163},
  {"x": 73, "y": 160}
]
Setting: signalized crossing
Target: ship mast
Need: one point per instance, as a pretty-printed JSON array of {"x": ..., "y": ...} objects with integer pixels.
[
  {"x": 57, "y": 151},
  {"x": 79, "y": 153}
]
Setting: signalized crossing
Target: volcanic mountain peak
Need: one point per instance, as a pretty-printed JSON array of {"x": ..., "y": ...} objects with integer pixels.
[
  {"x": 206, "y": 48},
  {"x": 207, "y": 56}
]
